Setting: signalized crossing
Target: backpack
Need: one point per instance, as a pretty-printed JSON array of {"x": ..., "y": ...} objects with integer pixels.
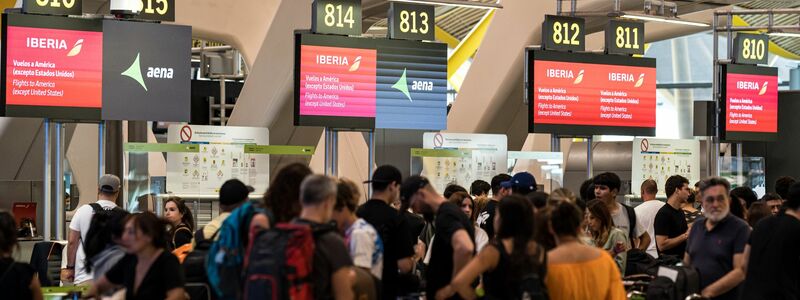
[
  {"x": 638, "y": 262},
  {"x": 280, "y": 261},
  {"x": 96, "y": 229},
  {"x": 226, "y": 254},
  {"x": 687, "y": 282},
  {"x": 194, "y": 267},
  {"x": 532, "y": 285}
]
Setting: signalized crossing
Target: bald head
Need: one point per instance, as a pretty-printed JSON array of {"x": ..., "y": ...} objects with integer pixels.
[{"x": 649, "y": 190}]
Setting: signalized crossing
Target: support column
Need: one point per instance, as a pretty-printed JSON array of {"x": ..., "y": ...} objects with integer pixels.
[{"x": 46, "y": 185}]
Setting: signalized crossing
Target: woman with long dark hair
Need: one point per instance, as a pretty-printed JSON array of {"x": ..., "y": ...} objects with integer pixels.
[
  {"x": 600, "y": 226},
  {"x": 181, "y": 222},
  {"x": 467, "y": 205},
  {"x": 147, "y": 271},
  {"x": 17, "y": 280},
  {"x": 103, "y": 245},
  {"x": 513, "y": 265}
]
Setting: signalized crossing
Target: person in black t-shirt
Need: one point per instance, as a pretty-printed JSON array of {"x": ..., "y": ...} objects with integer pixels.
[
  {"x": 486, "y": 217},
  {"x": 453, "y": 244},
  {"x": 148, "y": 271},
  {"x": 773, "y": 270},
  {"x": 399, "y": 255},
  {"x": 670, "y": 225},
  {"x": 17, "y": 280},
  {"x": 332, "y": 272}
]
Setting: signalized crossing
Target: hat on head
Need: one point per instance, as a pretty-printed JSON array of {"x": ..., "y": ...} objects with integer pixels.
[
  {"x": 232, "y": 192},
  {"x": 522, "y": 181},
  {"x": 411, "y": 185},
  {"x": 109, "y": 184},
  {"x": 386, "y": 174}
]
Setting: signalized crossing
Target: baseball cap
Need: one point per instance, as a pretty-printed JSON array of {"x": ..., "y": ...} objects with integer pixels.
[
  {"x": 109, "y": 183},
  {"x": 411, "y": 185},
  {"x": 522, "y": 181},
  {"x": 232, "y": 192},
  {"x": 386, "y": 174}
]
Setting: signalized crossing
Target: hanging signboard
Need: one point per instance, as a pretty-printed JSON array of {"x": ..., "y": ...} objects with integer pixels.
[
  {"x": 52, "y": 67},
  {"x": 360, "y": 83},
  {"x": 146, "y": 71},
  {"x": 412, "y": 21},
  {"x": 625, "y": 37},
  {"x": 658, "y": 159},
  {"x": 342, "y": 17},
  {"x": 751, "y": 48},
  {"x": 563, "y": 33},
  {"x": 53, "y": 7},
  {"x": 220, "y": 155},
  {"x": 749, "y": 103},
  {"x": 584, "y": 94},
  {"x": 157, "y": 10}
]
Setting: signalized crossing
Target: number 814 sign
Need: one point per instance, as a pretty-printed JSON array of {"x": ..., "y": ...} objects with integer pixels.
[{"x": 342, "y": 17}]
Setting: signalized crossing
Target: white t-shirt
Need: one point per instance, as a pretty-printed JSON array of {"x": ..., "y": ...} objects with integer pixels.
[
  {"x": 622, "y": 222},
  {"x": 81, "y": 221},
  {"x": 481, "y": 238},
  {"x": 366, "y": 247},
  {"x": 646, "y": 215}
]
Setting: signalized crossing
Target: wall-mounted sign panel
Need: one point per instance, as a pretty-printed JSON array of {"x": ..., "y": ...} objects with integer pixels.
[
  {"x": 484, "y": 156},
  {"x": 52, "y": 67},
  {"x": 146, "y": 71},
  {"x": 658, "y": 159},
  {"x": 584, "y": 94},
  {"x": 750, "y": 103},
  {"x": 220, "y": 155},
  {"x": 360, "y": 83},
  {"x": 341, "y": 17},
  {"x": 53, "y": 7}
]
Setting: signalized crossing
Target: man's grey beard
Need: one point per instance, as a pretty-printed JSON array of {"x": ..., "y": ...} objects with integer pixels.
[{"x": 718, "y": 216}]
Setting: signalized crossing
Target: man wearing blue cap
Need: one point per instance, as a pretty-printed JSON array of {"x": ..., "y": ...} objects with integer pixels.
[{"x": 523, "y": 183}]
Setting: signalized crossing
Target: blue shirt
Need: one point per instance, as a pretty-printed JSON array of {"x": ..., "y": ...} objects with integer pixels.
[{"x": 711, "y": 252}]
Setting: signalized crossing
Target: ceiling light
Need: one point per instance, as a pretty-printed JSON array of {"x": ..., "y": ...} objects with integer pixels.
[
  {"x": 663, "y": 19},
  {"x": 456, "y": 3},
  {"x": 785, "y": 34}
]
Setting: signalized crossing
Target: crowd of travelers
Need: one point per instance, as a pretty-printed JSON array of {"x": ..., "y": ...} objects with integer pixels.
[{"x": 312, "y": 237}]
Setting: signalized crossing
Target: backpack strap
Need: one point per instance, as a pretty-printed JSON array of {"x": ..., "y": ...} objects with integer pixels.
[
  {"x": 632, "y": 221},
  {"x": 96, "y": 207}
]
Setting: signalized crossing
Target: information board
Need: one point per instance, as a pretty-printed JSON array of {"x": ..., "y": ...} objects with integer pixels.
[
  {"x": 587, "y": 94},
  {"x": 362, "y": 83},
  {"x": 53, "y": 7},
  {"x": 52, "y": 67},
  {"x": 146, "y": 71},
  {"x": 220, "y": 156},
  {"x": 750, "y": 107},
  {"x": 487, "y": 156},
  {"x": 658, "y": 159}
]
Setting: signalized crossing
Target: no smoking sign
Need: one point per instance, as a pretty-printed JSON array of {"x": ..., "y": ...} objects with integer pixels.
[{"x": 186, "y": 133}]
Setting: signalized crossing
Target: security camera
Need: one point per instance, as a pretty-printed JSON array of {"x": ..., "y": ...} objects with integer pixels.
[{"x": 126, "y": 8}]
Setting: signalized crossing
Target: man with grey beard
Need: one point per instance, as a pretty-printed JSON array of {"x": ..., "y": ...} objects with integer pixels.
[{"x": 716, "y": 244}]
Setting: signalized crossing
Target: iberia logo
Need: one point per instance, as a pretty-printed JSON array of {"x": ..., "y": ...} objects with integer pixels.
[
  {"x": 76, "y": 49},
  {"x": 356, "y": 64},
  {"x": 640, "y": 82},
  {"x": 578, "y": 79},
  {"x": 763, "y": 89}
]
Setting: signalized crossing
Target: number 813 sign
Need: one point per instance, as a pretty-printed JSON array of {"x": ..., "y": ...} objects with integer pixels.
[{"x": 412, "y": 22}]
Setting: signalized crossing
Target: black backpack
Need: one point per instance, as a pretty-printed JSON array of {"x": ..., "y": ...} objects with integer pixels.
[
  {"x": 686, "y": 283},
  {"x": 194, "y": 267}
]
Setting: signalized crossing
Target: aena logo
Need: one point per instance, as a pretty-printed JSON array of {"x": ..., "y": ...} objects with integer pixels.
[
  {"x": 57, "y": 44},
  {"x": 416, "y": 85},
  {"x": 135, "y": 72}
]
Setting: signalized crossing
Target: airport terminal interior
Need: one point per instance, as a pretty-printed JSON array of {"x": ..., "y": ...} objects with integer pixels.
[{"x": 400, "y": 149}]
